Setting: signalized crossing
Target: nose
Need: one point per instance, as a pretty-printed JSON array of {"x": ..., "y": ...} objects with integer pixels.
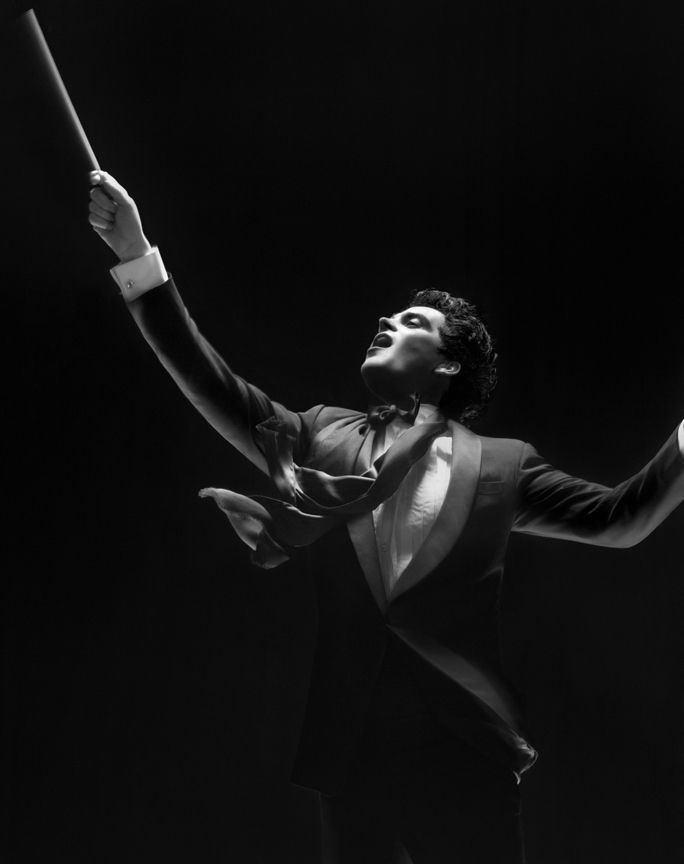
[{"x": 386, "y": 324}]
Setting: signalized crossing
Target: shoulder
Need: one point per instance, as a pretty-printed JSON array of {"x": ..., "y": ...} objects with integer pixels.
[
  {"x": 321, "y": 421},
  {"x": 505, "y": 448},
  {"x": 513, "y": 456},
  {"x": 319, "y": 417}
]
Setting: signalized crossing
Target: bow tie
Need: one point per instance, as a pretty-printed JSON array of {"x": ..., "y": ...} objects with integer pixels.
[{"x": 381, "y": 415}]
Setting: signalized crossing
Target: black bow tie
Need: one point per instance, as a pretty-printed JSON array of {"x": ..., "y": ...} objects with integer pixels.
[{"x": 381, "y": 415}]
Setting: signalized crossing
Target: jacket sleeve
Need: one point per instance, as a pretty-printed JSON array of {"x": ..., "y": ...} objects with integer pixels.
[
  {"x": 553, "y": 504},
  {"x": 232, "y": 406}
]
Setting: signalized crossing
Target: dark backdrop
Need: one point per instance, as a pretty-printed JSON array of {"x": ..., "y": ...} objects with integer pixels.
[{"x": 302, "y": 166}]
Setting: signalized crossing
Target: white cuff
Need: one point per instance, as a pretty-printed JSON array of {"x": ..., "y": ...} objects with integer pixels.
[
  {"x": 680, "y": 437},
  {"x": 140, "y": 275}
]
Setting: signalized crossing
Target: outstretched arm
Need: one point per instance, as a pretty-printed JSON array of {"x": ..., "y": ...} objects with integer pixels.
[
  {"x": 554, "y": 504},
  {"x": 231, "y": 405}
]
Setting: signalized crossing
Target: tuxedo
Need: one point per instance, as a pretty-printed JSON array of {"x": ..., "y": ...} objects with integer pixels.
[{"x": 430, "y": 648}]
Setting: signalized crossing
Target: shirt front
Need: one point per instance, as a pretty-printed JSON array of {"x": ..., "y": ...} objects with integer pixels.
[{"x": 403, "y": 521}]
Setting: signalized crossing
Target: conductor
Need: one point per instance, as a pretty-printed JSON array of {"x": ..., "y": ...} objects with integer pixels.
[{"x": 411, "y": 735}]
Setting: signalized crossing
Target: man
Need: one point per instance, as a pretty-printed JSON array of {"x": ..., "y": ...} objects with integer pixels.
[{"x": 410, "y": 733}]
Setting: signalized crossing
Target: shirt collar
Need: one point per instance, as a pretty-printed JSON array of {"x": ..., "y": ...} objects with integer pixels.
[{"x": 428, "y": 413}]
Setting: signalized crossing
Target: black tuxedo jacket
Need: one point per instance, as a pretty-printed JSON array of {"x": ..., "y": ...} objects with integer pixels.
[{"x": 442, "y": 614}]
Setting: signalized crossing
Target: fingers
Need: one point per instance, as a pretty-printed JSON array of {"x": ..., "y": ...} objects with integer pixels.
[
  {"x": 100, "y": 222},
  {"x": 103, "y": 214},
  {"x": 114, "y": 189},
  {"x": 102, "y": 201}
]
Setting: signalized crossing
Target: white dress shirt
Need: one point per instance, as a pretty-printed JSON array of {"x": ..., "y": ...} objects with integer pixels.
[{"x": 403, "y": 521}]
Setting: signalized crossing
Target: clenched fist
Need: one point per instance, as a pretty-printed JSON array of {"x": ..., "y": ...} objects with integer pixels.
[{"x": 114, "y": 216}]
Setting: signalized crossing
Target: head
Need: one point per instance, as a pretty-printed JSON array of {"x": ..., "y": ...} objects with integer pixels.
[{"x": 439, "y": 348}]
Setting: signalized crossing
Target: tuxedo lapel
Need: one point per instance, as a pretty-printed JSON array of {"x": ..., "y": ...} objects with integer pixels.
[
  {"x": 466, "y": 460},
  {"x": 362, "y": 528},
  {"x": 362, "y": 532}
]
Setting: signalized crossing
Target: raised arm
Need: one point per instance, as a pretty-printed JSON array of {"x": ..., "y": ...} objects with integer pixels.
[
  {"x": 231, "y": 405},
  {"x": 554, "y": 504}
]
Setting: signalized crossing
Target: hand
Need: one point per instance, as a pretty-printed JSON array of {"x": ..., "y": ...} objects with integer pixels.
[{"x": 114, "y": 216}]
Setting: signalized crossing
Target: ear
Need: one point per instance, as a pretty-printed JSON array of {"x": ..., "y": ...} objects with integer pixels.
[{"x": 449, "y": 367}]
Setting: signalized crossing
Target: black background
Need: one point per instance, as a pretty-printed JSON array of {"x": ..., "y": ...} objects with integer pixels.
[{"x": 303, "y": 166}]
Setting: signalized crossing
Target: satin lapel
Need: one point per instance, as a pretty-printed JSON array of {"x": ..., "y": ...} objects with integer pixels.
[
  {"x": 362, "y": 533},
  {"x": 483, "y": 684},
  {"x": 466, "y": 459}
]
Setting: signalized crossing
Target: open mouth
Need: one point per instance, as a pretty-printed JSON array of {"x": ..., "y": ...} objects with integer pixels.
[{"x": 382, "y": 340}]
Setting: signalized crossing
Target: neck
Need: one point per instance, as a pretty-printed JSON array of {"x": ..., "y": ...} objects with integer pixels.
[
  {"x": 405, "y": 400},
  {"x": 401, "y": 401}
]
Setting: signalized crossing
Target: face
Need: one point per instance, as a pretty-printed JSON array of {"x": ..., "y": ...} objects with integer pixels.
[{"x": 406, "y": 357}]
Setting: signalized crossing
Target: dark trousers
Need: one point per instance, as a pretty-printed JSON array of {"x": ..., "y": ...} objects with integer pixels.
[{"x": 417, "y": 794}]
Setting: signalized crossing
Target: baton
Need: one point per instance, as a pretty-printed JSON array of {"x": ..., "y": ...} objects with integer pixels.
[{"x": 52, "y": 80}]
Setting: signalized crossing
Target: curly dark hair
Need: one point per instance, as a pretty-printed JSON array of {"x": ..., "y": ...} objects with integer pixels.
[{"x": 465, "y": 339}]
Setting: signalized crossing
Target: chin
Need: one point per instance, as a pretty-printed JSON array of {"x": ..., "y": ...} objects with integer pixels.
[
  {"x": 381, "y": 381},
  {"x": 372, "y": 371},
  {"x": 371, "y": 378}
]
